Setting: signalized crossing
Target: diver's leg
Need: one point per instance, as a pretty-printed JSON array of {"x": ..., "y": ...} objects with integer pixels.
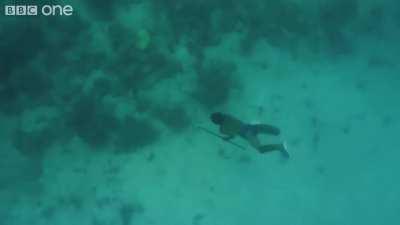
[
  {"x": 274, "y": 147},
  {"x": 253, "y": 140},
  {"x": 266, "y": 129},
  {"x": 270, "y": 148}
]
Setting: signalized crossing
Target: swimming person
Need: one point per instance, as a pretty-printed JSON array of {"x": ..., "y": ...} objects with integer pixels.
[{"x": 230, "y": 126}]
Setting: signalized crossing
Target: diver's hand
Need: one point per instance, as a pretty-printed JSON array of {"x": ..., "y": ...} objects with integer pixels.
[{"x": 227, "y": 138}]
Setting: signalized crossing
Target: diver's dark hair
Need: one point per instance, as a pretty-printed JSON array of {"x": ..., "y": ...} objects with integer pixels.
[{"x": 217, "y": 117}]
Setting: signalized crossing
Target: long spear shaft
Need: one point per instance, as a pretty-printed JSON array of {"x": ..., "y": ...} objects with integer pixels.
[{"x": 221, "y": 137}]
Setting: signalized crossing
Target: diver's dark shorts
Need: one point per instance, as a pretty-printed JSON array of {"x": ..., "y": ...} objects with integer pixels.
[
  {"x": 248, "y": 130},
  {"x": 254, "y": 129}
]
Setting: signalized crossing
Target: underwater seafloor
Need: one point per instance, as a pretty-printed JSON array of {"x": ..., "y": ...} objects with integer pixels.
[{"x": 99, "y": 113}]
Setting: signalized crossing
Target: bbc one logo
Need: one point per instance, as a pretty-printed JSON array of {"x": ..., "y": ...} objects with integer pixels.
[{"x": 34, "y": 10}]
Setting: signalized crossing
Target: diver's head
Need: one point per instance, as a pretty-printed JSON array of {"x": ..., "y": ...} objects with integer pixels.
[{"x": 217, "y": 117}]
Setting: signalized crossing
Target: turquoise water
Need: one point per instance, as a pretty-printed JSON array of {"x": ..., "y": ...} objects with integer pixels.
[{"x": 100, "y": 113}]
